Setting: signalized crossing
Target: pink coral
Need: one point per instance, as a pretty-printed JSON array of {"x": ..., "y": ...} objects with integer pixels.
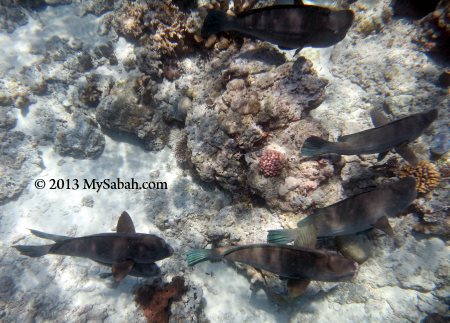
[{"x": 271, "y": 163}]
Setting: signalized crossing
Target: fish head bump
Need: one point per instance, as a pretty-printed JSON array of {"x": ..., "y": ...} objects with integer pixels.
[
  {"x": 338, "y": 268},
  {"x": 405, "y": 188},
  {"x": 340, "y": 21},
  {"x": 152, "y": 248}
]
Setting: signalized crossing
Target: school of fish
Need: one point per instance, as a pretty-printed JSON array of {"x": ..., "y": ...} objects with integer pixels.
[{"x": 289, "y": 26}]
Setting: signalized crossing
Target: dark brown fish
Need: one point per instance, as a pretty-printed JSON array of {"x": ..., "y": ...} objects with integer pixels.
[
  {"x": 393, "y": 135},
  {"x": 352, "y": 215},
  {"x": 121, "y": 250},
  {"x": 288, "y": 26},
  {"x": 285, "y": 261},
  {"x": 138, "y": 270}
]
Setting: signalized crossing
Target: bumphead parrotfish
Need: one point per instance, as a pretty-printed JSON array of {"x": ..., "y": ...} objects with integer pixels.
[
  {"x": 352, "y": 215},
  {"x": 126, "y": 251},
  {"x": 286, "y": 261},
  {"x": 393, "y": 135},
  {"x": 288, "y": 26}
]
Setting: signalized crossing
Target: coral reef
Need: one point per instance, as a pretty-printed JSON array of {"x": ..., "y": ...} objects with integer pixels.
[
  {"x": 19, "y": 163},
  {"x": 155, "y": 300},
  {"x": 425, "y": 173},
  {"x": 80, "y": 139},
  {"x": 181, "y": 149},
  {"x": 435, "y": 34},
  {"x": 271, "y": 163}
]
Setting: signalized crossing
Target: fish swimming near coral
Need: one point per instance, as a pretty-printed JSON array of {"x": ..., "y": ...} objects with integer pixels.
[
  {"x": 355, "y": 214},
  {"x": 286, "y": 261},
  {"x": 392, "y": 135},
  {"x": 288, "y": 26},
  {"x": 138, "y": 270},
  {"x": 126, "y": 251}
]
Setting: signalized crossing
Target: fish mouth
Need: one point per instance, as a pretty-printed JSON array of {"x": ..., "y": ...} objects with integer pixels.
[{"x": 170, "y": 250}]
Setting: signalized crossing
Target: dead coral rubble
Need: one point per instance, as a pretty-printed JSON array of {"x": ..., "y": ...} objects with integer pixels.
[{"x": 156, "y": 299}]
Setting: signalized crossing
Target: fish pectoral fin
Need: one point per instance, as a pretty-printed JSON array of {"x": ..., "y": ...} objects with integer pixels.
[
  {"x": 121, "y": 269},
  {"x": 125, "y": 224},
  {"x": 382, "y": 155},
  {"x": 296, "y": 287},
  {"x": 353, "y": 246},
  {"x": 407, "y": 154},
  {"x": 383, "y": 225}
]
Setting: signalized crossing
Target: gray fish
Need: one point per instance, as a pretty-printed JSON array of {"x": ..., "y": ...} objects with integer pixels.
[
  {"x": 286, "y": 261},
  {"x": 393, "y": 135},
  {"x": 355, "y": 214},
  {"x": 288, "y": 26},
  {"x": 138, "y": 270},
  {"x": 121, "y": 250}
]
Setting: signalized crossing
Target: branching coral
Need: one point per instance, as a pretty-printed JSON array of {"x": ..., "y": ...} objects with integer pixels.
[
  {"x": 155, "y": 300},
  {"x": 425, "y": 173},
  {"x": 271, "y": 163}
]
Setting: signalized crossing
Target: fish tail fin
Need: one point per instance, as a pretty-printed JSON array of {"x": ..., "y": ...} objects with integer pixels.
[
  {"x": 314, "y": 146},
  {"x": 215, "y": 22},
  {"x": 34, "y": 251},
  {"x": 282, "y": 236},
  {"x": 196, "y": 256},
  {"x": 48, "y": 236}
]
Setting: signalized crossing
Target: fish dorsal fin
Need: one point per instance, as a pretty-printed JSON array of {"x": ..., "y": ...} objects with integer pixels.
[
  {"x": 125, "y": 224},
  {"x": 407, "y": 154},
  {"x": 378, "y": 118},
  {"x": 296, "y": 287},
  {"x": 120, "y": 270},
  {"x": 383, "y": 225}
]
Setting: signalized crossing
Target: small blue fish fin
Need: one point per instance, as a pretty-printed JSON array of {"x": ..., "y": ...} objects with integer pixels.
[
  {"x": 282, "y": 236},
  {"x": 34, "y": 251},
  {"x": 378, "y": 117},
  {"x": 383, "y": 225},
  {"x": 382, "y": 155},
  {"x": 196, "y": 256},
  {"x": 296, "y": 287},
  {"x": 120, "y": 270},
  {"x": 314, "y": 146},
  {"x": 125, "y": 224},
  {"x": 48, "y": 236},
  {"x": 407, "y": 153}
]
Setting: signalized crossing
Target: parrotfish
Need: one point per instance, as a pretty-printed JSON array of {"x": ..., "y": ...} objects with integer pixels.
[
  {"x": 393, "y": 135},
  {"x": 138, "y": 270},
  {"x": 288, "y": 26},
  {"x": 286, "y": 261},
  {"x": 355, "y": 214},
  {"x": 126, "y": 251}
]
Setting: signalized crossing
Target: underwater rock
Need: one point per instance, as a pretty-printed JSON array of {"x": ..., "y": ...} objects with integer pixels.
[
  {"x": 19, "y": 163},
  {"x": 189, "y": 307},
  {"x": 8, "y": 119},
  {"x": 413, "y": 8},
  {"x": 252, "y": 97},
  {"x": 155, "y": 300},
  {"x": 11, "y": 16},
  {"x": 97, "y": 7},
  {"x": 80, "y": 139},
  {"x": 130, "y": 108}
]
